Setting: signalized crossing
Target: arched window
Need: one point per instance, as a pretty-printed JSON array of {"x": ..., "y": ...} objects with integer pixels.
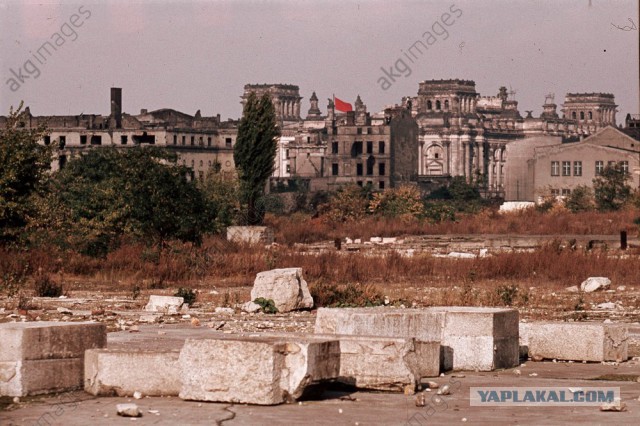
[
  {"x": 429, "y": 105},
  {"x": 590, "y": 115},
  {"x": 438, "y": 106},
  {"x": 446, "y": 105},
  {"x": 581, "y": 115},
  {"x": 573, "y": 115}
]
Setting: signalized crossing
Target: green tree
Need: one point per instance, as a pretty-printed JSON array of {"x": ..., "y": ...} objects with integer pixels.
[
  {"x": 255, "y": 151},
  {"x": 138, "y": 192},
  {"x": 221, "y": 190},
  {"x": 580, "y": 199},
  {"x": 23, "y": 173},
  {"x": 611, "y": 189}
]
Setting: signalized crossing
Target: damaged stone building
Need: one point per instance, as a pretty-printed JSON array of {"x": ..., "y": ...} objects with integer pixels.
[{"x": 448, "y": 129}]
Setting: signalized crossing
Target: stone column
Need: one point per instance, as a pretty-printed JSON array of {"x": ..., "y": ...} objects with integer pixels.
[
  {"x": 420, "y": 159},
  {"x": 298, "y": 108},
  {"x": 490, "y": 182},
  {"x": 481, "y": 160},
  {"x": 447, "y": 164}
]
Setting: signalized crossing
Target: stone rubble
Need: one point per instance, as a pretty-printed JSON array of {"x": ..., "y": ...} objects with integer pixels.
[{"x": 286, "y": 287}]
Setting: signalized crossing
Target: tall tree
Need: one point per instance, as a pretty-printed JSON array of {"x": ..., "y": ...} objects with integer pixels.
[
  {"x": 23, "y": 170},
  {"x": 611, "y": 188},
  {"x": 255, "y": 152}
]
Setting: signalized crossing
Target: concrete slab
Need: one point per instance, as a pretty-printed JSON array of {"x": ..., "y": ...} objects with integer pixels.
[
  {"x": 255, "y": 370},
  {"x": 576, "y": 341},
  {"x": 49, "y": 339},
  {"x": 124, "y": 371},
  {"x": 164, "y": 304}
]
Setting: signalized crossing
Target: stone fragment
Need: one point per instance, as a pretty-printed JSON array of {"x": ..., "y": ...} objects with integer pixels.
[
  {"x": 149, "y": 318},
  {"x": 128, "y": 410},
  {"x": 286, "y": 287},
  {"x": 592, "y": 284},
  {"x": 35, "y": 377},
  {"x": 615, "y": 405},
  {"x": 251, "y": 307},
  {"x": 606, "y": 306},
  {"x": 222, "y": 310},
  {"x": 255, "y": 369},
  {"x": 165, "y": 304},
  {"x": 124, "y": 371},
  {"x": 573, "y": 289},
  {"x": 575, "y": 341},
  {"x": 459, "y": 255},
  {"x": 375, "y": 240},
  {"x": 389, "y": 240}
]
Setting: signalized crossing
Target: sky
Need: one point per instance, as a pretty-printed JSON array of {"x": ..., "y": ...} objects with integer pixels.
[{"x": 198, "y": 55}]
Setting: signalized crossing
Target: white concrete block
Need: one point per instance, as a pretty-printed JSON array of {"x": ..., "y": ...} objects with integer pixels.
[{"x": 164, "y": 304}]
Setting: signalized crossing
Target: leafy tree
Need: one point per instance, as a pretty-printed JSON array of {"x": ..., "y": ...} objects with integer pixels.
[
  {"x": 255, "y": 152},
  {"x": 139, "y": 192},
  {"x": 611, "y": 188},
  {"x": 404, "y": 200},
  {"x": 222, "y": 192},
  {"x": 348, "y": 203},
  {"x": 462, "y": 195},
  {"x": 23, "y": 173},
  {"x": 580, "y": 199}
]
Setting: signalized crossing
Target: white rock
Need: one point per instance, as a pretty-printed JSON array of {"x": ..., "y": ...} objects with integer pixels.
[
  {"x": 375, "y": 240},
  {"x": 149, "y": 318},
  {"x": 137, "y": 395},
  {"x": 286, "y": 287},
  {"x": 357, "y": 241},
  {"x": 251, "y": 307},
  {"x": 573, "y": 289},
  {"x": 64, "y": 311},
  {"x": 595, "y": 283},
  {"x": 444, "y": 390},
  {"x": 621, "y": 288},
  {"x": 221, "y": 310},
  {"x": 165, "y": 304},
  {"x": 128, "y": 410},
  {"x": 606, "y": 305},
  {"x": 348, "y": 240},
  {"x": 389, "y": 240},
  {"x": 484, "y": 252}
]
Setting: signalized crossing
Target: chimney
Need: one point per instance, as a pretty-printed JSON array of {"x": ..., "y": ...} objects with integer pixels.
[{"x": 116, "y": 106}]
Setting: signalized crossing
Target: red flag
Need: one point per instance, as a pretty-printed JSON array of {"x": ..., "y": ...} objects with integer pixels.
[{"x": 342, "y": 105}]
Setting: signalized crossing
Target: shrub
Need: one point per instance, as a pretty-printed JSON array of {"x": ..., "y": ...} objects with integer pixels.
[
  {"x": 267, "y": 306},
  {"x": 346, "y": 296},
  {"x": 187, "y": 294},
  {"x": 45, "y": 286},
  {"x": 405, "y": 200},
  {"x": 349, "y": 203},
  {"x": 507, "y": 293}
]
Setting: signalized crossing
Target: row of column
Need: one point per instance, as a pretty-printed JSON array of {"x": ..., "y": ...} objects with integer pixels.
[
  {"x": 475, "y": 163},
  {"x": 607, "y": 115},
  {"x": 288, "y": 107},
  {"x": 467, "y": 104}
]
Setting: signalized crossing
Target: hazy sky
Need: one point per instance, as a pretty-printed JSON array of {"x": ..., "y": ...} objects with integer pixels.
[{"x": 191, "y": 55}]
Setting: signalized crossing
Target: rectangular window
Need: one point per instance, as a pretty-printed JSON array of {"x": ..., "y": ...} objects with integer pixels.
[
  {"x": 47, "y": 140},
  {"x": 359, "y": 169},
  {"x": 124, "y": 139},
  {"x": 555, "y": 192},
  {"x": 96, "y": 140},
  {"x": 209, "y": 141},
  {"x": 369, "y": 169},
  {"x": 381, "y": 184},
  {"x": 334, "y": 147},
  {"x": 184, "y": 140},
  {"x": 369, "y": 147},
  {"x": 566, "y": 168},
  {"x": 286, "y": 152},
  {"x": 624, "y": 166},
  {"x": 359, "y": 183},
  {"x": 599, "y": 167},
  {"x": 381, "y": 147},
  {"x": 288, "y": 168},
  {"x": 63, "y": 141},
  {"x": 566, "y": 192},
  {"x": 227, "y": 142},
  {"x": 334, "y": 169},
  {"x": 369, "y": 130},
  {"x": 193, "y": 140},
  {"x": 555, "y": 168},
  {"x": 201, "y": 141},
  {"x": 359, "y": 130},
  {"x": 83, "y": 139},
  {"x": 175, "y": 139},
  {"x": 577, "y": 168},
  {"x": 381, "y": 169},
  {"x": 356, "y": 149}
]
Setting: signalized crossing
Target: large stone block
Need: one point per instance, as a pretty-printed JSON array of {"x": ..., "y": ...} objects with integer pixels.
[
  {"x": 575, "y": 341},
  {"x": 472, "y": 338},
  {"x": 34, "y": 377},
  {"x": 388, "y": 322},
  {"x": 124, "y": 371},
  {"x": 49, "y": 340},
  {"x": 286, "y": 287},
  {"x": 482, "y": 339},
  {"x": 255, "y": 370}
]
